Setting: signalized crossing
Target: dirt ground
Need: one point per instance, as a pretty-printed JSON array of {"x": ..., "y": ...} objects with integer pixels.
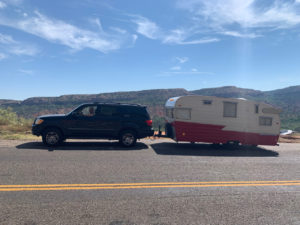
[{"x": 289, "y": 138}]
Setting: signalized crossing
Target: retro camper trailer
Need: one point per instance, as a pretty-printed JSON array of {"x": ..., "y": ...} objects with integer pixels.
[{"x": 221, "y": 120}]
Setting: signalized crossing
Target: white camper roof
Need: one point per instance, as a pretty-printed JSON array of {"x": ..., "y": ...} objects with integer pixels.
[
  {"x": 177, "y": 101},
  {"x": 171, "y": 102}
]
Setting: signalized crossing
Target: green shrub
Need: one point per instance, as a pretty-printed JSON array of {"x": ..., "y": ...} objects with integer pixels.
[{"x": 11, "y": 122}]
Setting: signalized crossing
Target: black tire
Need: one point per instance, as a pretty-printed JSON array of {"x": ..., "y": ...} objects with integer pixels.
[
  {"x": 52, "y": 137},
  {"x": 127, "y": 138},
  {"x": 233, "y": 143}
]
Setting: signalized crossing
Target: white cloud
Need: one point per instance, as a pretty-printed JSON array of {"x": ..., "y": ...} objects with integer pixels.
[
  {"x": 176, "y": 68},
  {"x": 27, "y": 72},
  {"x": 236, "y": 18},
  {"x": 14, "y": 47},
  {"x": 119, "y": 30},
  {"x": 13, "y": 2},
  {"x": 175, "y": 36},
  {"x": 66, "y": 34},
  {"x": 181, "y": 36},
  {"x": 2, "y": 56},
  {"x": 279, "y": 14},
  {"x": 134, "y": 37},
  {"x": 182, "y": 59},
  {"x": 147, "y": 28},
  {"x": 181, "y": 73},
  {"x": 24, "y": 50},
  {"x": 2, "y": 5},
  {"x": 241, "y": 35},
  {"x": 6, "y": 39},
  {"x": 58, "y": 31},
  {"x": 199, "y": 41},
  {"x": 98, "y": 23}
]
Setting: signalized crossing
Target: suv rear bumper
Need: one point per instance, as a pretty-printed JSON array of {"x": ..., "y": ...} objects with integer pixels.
[{"x": 146, "y": 133}]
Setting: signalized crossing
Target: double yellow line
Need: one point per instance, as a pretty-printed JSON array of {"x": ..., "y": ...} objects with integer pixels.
[{"x": 52, "y": 187}]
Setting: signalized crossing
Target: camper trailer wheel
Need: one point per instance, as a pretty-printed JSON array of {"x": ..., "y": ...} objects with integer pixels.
[
  {"x": 215, "y": 145},
  {"x": 232, "y": 143}
]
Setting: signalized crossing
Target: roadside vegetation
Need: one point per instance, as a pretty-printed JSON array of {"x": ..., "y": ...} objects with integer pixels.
[{"x": 14, "y": 127}]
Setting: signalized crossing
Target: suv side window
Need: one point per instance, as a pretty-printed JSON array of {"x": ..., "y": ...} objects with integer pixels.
[
  {"x": 107, "y": 110},
  {"x": 88, "y": 111}
]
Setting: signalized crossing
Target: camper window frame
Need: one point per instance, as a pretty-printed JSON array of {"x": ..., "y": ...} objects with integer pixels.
[
  {"x": 171, "y": 113},
  {"x": 176, "y": 110},
  {"x": 207, "y": 102},
  {"x": 256, "y": 109},
  {"x": 235, "y": 112},
  {"x": 263, "y": 121}
]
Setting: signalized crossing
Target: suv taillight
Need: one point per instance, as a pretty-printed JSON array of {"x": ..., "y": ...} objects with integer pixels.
[{"x": 149, "y": 123}]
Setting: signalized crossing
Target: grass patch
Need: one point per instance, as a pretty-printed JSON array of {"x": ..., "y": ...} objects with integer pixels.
[
  {"x": 18, "y": 136},
  {"x": 16, "y": 132}
]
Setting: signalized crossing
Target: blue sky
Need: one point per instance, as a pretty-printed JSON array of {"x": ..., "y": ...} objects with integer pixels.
[{"x": 51, "y": 48}]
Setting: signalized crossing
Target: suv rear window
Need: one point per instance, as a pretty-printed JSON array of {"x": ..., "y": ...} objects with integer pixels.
[{"x": 137, "y": 110}]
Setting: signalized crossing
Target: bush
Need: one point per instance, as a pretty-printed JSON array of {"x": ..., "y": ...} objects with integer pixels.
[
  {"x": 11, "y": 122},
  {"x": 7, "y": 117}
]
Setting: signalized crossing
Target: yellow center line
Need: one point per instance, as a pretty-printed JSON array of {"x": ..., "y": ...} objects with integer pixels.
[
  {"x": 142, "y": 184},
  {"x": 49, "y": 187}
]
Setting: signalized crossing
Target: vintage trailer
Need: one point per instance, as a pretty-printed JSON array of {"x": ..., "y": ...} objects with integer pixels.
[{"x": 221, "y": 120}]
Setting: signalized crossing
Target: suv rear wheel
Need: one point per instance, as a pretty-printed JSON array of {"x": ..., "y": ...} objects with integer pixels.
[
  {"x": 127, "y": 138},
  {"x": 52, "y": 137}
]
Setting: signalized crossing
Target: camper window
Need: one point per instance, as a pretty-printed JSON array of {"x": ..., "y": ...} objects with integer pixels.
[
  {"x": 230, "y": 109},
  {"x": 169, "y": 113},
  {"x": 256, "y": 108},
  {"x": 207, "y": 102},
  {"x": 183, "y": 114},
  {"x": 265, "y": 121}
]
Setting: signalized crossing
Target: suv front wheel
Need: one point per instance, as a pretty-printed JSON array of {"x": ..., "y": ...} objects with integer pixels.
[
  {"x": 52, "y": 137},
  {"x": 127, "y": 138}
]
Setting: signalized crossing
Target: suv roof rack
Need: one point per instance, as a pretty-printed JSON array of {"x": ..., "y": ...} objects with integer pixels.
[{"x": 119, "y": 103}]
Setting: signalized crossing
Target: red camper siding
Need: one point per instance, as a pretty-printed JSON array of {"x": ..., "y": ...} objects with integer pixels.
[{"x": 196, "y": 132}]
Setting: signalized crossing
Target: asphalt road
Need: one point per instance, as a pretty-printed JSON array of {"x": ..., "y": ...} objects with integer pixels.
[{"x": 157, "y": 182}]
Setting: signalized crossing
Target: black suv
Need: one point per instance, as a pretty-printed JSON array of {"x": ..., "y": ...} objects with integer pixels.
[{"x": 123, "y": 122}]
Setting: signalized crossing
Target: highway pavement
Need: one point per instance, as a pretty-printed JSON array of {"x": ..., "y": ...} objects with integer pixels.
[{"x": 157, "y": 182}]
